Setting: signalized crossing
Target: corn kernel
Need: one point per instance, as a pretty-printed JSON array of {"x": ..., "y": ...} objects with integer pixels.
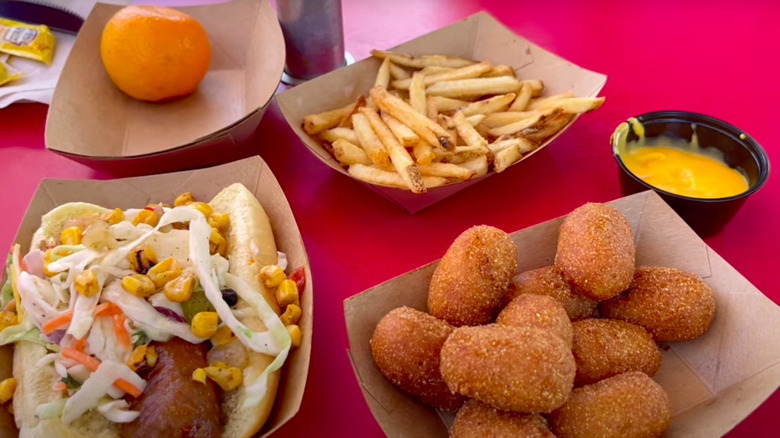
[
  {"x": 114, "y": 216},
  {"x": 220, "y": 221},
  {"x": 199, "y": 375},
  {"x": 291, "y": 314},
  {"x": 272, "y": 275},
  {"x": 141, "y": 259},
  {"x": 164, "y": 271},
  {"x": 139, "y": 285},
  {"x": 204, "y": 324},
  {"x": 46, "y": 261},
  {"x": 224, "y": 335},
  {"x": 287, "y": 293},
  {"x": 217, "y": 243},
  {"x": 7, "y": 319},
  {"x": 180, "y": 288},
  {"x": 227, "y": 378},
  {"x": 202, "y": 207},
  {"x": 295, "y": 334},
  {"x": 7, "y": 388},
  {"x": 137, "y": 357},
  {"x": 219, "y": 365},
  {"x": 86, "y": 283},
  {"x": 146, "y": 217},
  {"x": 183, "y": 199},
  {"x": 71, "y": 236},
  {"x": 151, "y": 356}
]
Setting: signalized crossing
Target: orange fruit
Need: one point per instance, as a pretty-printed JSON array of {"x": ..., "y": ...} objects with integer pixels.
[{"x": 155, "y": 53}]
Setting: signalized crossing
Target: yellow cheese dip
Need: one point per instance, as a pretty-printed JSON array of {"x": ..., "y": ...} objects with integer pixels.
[{"x": 677, "y": 166}]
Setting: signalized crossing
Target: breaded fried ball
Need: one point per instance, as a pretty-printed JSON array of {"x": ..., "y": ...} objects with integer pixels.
[
  {"x": 596, "y": 251},
  {"x": 549, "y": 281},
  {"x": 406, "y": 346},
  {"x": 540, "y": 311},
  {"x": 478, "y": 420},
  {"x": 607, "y": 347},
  {"x": 472, "y": 278},
  {"x": 673, "y": 305},
  {"x": 510, "y": 368},
  {"x": 629, "y": 405}
]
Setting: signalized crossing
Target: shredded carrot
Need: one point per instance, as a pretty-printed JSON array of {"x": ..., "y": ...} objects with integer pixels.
[
  {"x": 57, "y": 322},
  {"x": 10, "y": 306},
  {"x": 59, "y": 386},
  {"x": 93, "y": 364},
  {"x": 79, "y": 344},
  {"x": 106, "y": 309},
  {"x": 121, "y": 332}
]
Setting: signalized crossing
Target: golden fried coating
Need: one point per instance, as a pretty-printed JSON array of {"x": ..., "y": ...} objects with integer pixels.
[
  {"x": 629, "y": 405},
  {"x": 510, "y": 368},
  {"x": 540, "y": 311},
  {"x": 478, "y": 420},
  {"x": 406, "y": 344},
  {"x": 472, "y": 278},
  {"x": 549, "y": 281},
  {"x": 596, "y": 251},
  {"x": 673, "y": 305},
  {"x": 607, "y": 347}
]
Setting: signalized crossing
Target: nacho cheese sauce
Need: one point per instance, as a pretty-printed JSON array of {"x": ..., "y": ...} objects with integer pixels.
[{"x": 677, "y": 166}]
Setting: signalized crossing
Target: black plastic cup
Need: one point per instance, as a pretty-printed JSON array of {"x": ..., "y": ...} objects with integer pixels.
[{"x": 706, "y": 216}]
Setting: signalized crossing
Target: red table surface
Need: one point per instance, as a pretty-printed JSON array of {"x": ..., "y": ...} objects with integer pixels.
[{"x": 713, "y": 57}]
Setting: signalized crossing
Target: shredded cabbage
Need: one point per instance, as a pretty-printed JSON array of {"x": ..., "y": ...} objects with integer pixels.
[
  {"x": 36, "y": 308},
  {"x": 82, "y": 257},
  {"x": 82, "y": 313},
  {"x": 117, "y": 411},
  {"x": 49, "y": 410},
  {"x": 281, "y": 260},
  {"x": 97, "y": 386}
]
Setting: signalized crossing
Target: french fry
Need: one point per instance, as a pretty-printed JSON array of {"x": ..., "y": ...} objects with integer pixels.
[
  {"x": 435, "y": 69},
  {"x": 426, "y": 128},
  {"x": 546, "y": 102},
  {"x": 523, "y": 145},
  {"x": 500, "y": 70},
  {"x": 449, "y": 123},
  {"x": 474, "y": 87},
  {"x": 446, "y": 104},
  {"x": 504, "y": 118},
  {"x": 431, "y": 109},
  {"x": 399, "y": 157},
  {"x": 536, "y": 86},
  {"x": 468, "y": 133},
  {"x": 478, "y": 164},
  {"x": 524, "y": 95},
  {"x": 348, "y": 153},
  {"x": 333, "y": 134},
  {"x": 406, "y": 136},
  {"x": 470, "y": 71},
  {"x": 476, "y": 119},
  {"x": 506, "y": 158},
  {"x": 417, "y": 92},
  {"x": 550, "y": 125},
  {"x": 515, "y": 127},
  {"x": 446, "y": 170},
  {"x": 346, "y": 122},
  {"x": 374, "y": 147},
  {"x": 376, "y": 176},
  {"x": 398, "y": 72},
  {"x": 315, "y": 123},
  {"x": 422, "y": 61},
  {"x": 487, "y": 106},
  {"x": 383, "y": 75},
  {"x": 423, "y": 153},
  {"x": 574, "y": 105}
]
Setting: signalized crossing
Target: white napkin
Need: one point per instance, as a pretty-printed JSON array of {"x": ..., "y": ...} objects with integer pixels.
[{"x": 39, "y": 80}]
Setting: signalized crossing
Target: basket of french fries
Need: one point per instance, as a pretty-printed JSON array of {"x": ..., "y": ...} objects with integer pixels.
[{"x": 429, "y": 117}]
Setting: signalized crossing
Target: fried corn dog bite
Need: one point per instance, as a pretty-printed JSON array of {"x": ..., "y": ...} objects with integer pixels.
[
  {"x": 596, "y": 251},
  {"x": 406, "y": 344},
  {"x": 630, "y": 405},
  {"x": 472, "y": 278},
  {"x": 510, "y": 368},
  {"x": 606, "y": 347},
  {"x": 538, "y": 311},
  {"x": 549, "y": 281},
  {"x": 673, "y": 305},
  {"x": 478, "y": 420}
]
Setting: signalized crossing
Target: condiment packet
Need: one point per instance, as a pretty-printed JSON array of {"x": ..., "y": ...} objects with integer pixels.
[
  {"x": 8, "y": 73},
  {"x": 26, "y": 40}
]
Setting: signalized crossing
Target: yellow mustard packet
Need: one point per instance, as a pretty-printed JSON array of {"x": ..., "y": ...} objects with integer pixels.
[
  {"x": 26, "y": 40},
  {"x": 7, "y": 76}
]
